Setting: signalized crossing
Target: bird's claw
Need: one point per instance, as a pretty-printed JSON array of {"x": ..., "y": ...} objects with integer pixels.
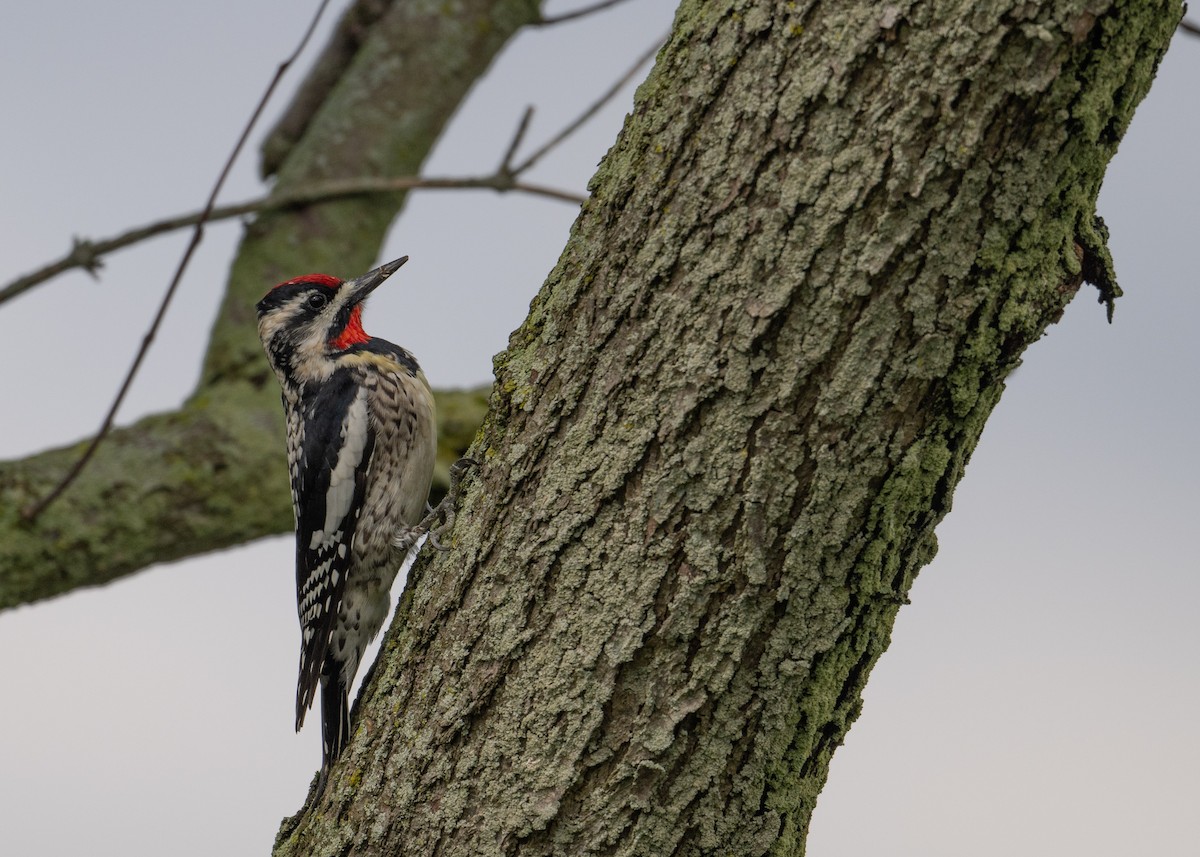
[{"x": 443, "y": 512}]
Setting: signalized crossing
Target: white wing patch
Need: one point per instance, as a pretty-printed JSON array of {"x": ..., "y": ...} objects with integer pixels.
[{"x": 356, "y": 431}]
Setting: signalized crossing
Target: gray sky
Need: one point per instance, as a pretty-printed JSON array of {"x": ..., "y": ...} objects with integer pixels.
[{"x": 1041, "y": 691}]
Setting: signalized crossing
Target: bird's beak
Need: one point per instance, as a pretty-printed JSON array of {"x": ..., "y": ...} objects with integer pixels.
[{"x": 356, "y": 290}]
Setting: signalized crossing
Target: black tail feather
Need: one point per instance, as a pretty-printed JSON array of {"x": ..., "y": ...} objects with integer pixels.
[{"x": 335, "y": 720}]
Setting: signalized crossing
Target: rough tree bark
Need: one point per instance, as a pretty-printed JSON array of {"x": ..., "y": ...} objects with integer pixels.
[
  {"x": 718, "y": 447},
  {"x": 210, "y": 475}
]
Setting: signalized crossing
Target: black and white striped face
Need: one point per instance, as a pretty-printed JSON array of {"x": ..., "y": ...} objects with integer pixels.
[
  {"x": 295, "y": 321},
  {"x": 304, "y": 323}
]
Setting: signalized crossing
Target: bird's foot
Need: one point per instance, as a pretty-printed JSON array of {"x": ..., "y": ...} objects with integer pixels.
[{"x": 406, "y": 537}]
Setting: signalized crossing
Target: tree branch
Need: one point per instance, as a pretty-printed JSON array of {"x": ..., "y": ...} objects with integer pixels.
[
  {"x": 580, "y": 120},
  {"x": 575, "y": 14},
  {"x": 211, "y": 475},
  {"x": 88, "y": 254},
  {"x": 32, "y": 510},
  {"x": 331, "y": 64},
  {"x": 375, "y": 123}
]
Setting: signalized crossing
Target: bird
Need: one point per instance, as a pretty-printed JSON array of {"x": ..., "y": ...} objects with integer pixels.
[{"x": 361, "y": 445}]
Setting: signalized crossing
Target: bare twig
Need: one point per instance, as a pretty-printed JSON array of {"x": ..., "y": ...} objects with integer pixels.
[
  {"x": 518, "y": 137},
  {"x": 577, "y": 13},
  {"x": 1189, "y": 28},
  {"x": 88, "y": 254},
  {"x": 591, "y": 111},
  {"x": 31, "y": 512}
]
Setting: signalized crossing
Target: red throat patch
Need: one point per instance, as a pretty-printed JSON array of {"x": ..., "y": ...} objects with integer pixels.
[{"x": 353, "y": 333}]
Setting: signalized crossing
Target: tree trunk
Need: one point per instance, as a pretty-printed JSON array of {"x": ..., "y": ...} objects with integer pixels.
[
  {"x": 718, "y": 447},
  {"x": 212, "y": 474}
]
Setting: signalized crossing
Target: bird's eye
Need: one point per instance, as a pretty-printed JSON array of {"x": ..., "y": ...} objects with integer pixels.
[{"x": 317, "y": 300}]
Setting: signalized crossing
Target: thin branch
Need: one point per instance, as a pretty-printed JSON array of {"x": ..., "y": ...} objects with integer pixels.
[
  {"x": 88, "y": 255},
  {"x": 1189, "y": 28},
  {"x": 577, "y": 13},
  {"x": 31, "y": 512},
  {"x": 518, "y": 137},
  {"x": 592, "y": 109}
]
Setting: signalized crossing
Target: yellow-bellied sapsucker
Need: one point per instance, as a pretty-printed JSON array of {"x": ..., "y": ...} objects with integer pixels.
[{"x": 361, "y": 441}]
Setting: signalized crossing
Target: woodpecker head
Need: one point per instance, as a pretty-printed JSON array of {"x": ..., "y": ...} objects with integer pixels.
[{"x": 307, "y": 322}]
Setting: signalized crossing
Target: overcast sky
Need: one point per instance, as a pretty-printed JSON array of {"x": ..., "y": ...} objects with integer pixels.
[{"x": 1041, "y": 692}]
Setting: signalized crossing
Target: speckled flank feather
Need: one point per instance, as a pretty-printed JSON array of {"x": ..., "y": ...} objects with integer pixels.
[{"x": 404, "y": 457}]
